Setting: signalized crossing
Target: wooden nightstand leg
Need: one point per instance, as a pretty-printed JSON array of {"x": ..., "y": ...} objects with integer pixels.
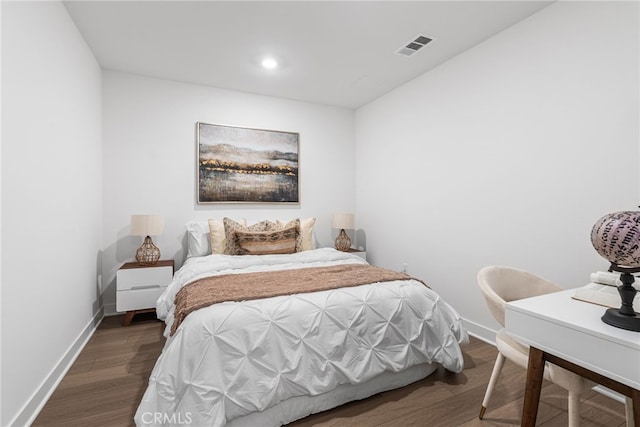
[{"x": 128, "y": 317}]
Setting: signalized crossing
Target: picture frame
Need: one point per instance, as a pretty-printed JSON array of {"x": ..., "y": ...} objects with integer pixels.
[{"x": 246, "y": 165}]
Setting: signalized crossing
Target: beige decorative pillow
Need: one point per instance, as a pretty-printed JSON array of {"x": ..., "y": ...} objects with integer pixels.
[
  {"x": 282, "y": 241},
  {"x": 231, "y": 226},
  {"x": 217, "y": 235},
  {"x": 306, "y": 232}
]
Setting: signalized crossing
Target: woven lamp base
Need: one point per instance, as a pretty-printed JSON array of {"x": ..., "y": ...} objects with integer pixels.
[
  {"x": 343, "y": 242},
  {"x": 148, "y": 253}
]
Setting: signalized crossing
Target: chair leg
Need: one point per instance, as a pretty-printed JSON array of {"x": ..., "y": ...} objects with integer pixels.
[
  {"x": 628, "y": 411},
  {"x": 497, "y": 368},
  {"x": 574, "y": 409}
]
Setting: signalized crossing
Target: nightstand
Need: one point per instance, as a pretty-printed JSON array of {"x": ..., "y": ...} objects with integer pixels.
[
  {"x": 139, "y": 286},
  {"x": 361, "y": 254}
]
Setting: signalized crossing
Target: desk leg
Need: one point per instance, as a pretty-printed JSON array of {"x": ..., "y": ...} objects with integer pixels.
[
  {"x": 535, "y": 372},
  {"x": 635, "y": 399}
]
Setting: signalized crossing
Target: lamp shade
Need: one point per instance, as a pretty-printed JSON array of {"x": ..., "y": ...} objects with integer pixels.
[
  {"x": 147, "y": 225},
  {"x": 343, "y": 221},
  {"x": 616, "y": 237}
]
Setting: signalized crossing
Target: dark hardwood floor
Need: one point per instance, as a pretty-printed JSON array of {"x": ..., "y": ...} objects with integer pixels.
[{"x": 106, "y": 382}]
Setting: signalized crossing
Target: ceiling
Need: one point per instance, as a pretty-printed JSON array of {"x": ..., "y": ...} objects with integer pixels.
[{"x": 330, "y": 52}]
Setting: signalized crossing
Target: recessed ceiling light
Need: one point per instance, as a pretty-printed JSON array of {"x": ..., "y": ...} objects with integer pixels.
[{"x": 269, "y": 63}]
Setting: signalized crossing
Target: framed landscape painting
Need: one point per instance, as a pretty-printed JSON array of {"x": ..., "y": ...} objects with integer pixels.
[{"x": 242, "y": 165}]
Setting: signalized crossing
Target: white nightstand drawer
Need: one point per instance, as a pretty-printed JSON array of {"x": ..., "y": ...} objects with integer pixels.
[
  {"x": 361, "y": 254},
  {"x": 138, "y": 299},
  {"x": 143, "y": 278},
  {"x": 357, "y": 252}
]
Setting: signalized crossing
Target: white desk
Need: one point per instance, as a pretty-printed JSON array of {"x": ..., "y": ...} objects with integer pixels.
[{"x": 569, "y": 333}]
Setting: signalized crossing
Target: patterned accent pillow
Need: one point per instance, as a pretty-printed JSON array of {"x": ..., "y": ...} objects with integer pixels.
[
  {"x": 306, "y": 233},
  {"x": 231, "y": 226},
  {"x": 293, "y": 223},
  {"x": 282, "y": 241}
]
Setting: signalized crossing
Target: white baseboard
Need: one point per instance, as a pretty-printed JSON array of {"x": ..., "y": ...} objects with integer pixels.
[
  {"x": 481, "y": 332},
  {"x": 34, "y": 405},
  {"x": 110, "y": 310},
  {"x": 609, "y": 393}
]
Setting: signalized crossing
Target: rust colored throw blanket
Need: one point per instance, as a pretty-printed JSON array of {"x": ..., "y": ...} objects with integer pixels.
[{"x": 247, "y": 286}]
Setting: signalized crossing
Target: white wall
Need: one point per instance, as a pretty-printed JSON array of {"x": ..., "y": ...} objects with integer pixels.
[
  {"x": 150, "y": 160},
  {"x": 0, "y": 209},
  {"x": 506, "y": 154},
  {"x": 51, "y": 200}
]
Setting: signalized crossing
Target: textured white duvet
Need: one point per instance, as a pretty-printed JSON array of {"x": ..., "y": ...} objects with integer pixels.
[{"x": 236, "y": 358}]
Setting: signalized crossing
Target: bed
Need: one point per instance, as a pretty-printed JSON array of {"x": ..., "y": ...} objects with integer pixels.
[{"x": 269, "y": 361}]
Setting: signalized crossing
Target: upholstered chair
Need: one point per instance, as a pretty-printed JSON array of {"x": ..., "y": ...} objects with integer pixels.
[{"x": 500, "y": 285}]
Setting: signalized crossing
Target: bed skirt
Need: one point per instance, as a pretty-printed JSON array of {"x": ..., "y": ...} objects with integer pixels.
[{"x": 299, "y": 407}]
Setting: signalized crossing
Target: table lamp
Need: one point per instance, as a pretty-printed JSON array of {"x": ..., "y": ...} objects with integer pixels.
[
  {"x": 343, "y": 221},
  {"x": 147, "y": 225},
  {"x": 616, "y": 237}
]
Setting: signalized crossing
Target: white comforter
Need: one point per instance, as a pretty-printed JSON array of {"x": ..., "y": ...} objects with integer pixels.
[{"x": 234, "y": 358}]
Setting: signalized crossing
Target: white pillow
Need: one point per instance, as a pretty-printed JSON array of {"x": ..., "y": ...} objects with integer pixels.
[
  {"x": 197, "y": 238},
  {"x": 306, "y": 232}
]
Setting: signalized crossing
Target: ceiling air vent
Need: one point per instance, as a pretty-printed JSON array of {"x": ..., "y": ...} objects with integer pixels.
[{"x": 414, "y": 45}]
